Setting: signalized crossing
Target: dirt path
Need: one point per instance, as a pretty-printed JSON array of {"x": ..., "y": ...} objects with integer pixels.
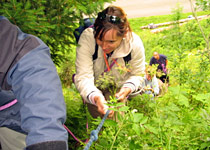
[{"x": 144, "y": 8}]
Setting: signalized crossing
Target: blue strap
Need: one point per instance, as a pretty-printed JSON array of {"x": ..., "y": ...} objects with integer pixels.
[{"x": 94, "y": 133}]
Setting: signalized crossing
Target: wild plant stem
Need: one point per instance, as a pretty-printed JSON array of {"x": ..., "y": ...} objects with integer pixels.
[
  {"x": 206, "y": 38},
  {"x": 118, "y": 131},
  {"x": 169, "y": 146},
  {"x": 157, "y": 115}
]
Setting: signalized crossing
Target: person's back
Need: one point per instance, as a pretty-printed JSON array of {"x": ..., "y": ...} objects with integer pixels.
[
  {"x": 31, "y": 99},
  {"x": 161, "y": 61}
]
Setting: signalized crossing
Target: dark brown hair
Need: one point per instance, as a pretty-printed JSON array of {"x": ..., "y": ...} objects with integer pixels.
[{"x": 102, "y": 25}]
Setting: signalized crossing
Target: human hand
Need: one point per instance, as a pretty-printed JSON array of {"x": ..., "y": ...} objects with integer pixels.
[
  {"x": 150, "y": 89},
  {"x": 102, "y": 107},
  {"x": 123, "y": 93}
]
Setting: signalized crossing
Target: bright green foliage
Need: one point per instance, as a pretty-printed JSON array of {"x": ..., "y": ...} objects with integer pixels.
[
  {"x": 77, "y": 117},
  {"x": 106, "y": 81},
  {"x": 203, "y": 4},
  {"x": 53, "y": 21},
  {"x": 165, "y": 124},
  {"x": 180, "y": 119},
  {"x": 68, "y": 69}
]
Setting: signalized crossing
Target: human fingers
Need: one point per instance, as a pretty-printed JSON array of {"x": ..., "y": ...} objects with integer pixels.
[
  {"x": 123, "y": 93},
  {"x": 101, "y": 103},
  {"x": 111, "y": 114}
]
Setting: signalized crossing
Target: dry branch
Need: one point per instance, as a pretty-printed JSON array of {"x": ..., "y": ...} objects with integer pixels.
[{"x": 173, "y": 22}]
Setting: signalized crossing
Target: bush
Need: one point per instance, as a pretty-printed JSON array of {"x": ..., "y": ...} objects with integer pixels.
[{"x": 51, "y": 20}]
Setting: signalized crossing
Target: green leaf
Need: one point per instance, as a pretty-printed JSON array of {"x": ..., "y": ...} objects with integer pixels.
[
  {"x": 124, "y": 108},
  {"x": 136, "y": 128},
  {"x": 144, "y": 120},
  {"x": 205, "y": 145},
  {"x": 114, "y": 109},
  {"x": 27, "y": 5},
  {"x": 152, "y": 129},
  {"x": 173, "y": 107},
  {"x": 174, "y": 90},
  {"x": 183, "y": 100},
  {"x": 110, "y": 122},
  {"x": 137, "y": 117},
  {"x": 202, "y": 97},
  {"x": 119, "y": 104}
]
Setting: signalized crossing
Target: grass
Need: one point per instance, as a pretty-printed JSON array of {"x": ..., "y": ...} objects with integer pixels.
[
  {"x": 151, "y": 40},
  {"x": 136, "y": 23},
  {"x": 176, "y": 121}
]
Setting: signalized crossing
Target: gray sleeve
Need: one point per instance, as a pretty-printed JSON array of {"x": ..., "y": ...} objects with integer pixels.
[{"x": 37, "y": 87}]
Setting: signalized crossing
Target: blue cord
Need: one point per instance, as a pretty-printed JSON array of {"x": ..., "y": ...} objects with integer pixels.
[{"x": 94, "y": 133}]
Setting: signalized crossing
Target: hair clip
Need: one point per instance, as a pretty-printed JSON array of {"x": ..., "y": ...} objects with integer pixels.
[{"x": 110, "y": 18}]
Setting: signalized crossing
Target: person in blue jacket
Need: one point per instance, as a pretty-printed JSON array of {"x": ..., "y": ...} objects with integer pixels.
[
  {"x": 32, "y": 107},
  {"x": 162, "y": 62}
]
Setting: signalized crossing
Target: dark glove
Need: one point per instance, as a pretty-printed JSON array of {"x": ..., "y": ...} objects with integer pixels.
[{"x": 50, "y": 145}]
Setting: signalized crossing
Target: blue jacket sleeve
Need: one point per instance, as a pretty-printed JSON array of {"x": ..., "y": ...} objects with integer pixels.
[{"x": 37, "y": 87}]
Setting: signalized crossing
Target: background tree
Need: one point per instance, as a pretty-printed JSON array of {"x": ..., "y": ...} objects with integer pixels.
[
  {"x": 51, "y": 20},
  {"x": 203, "y": 4}
]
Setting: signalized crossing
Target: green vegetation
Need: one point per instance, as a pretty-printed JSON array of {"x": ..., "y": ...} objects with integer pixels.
[
  {"x": 153, "y": 42},
  {"x": 51, "y": 20},
  {"x": 180, "y": 119}
]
